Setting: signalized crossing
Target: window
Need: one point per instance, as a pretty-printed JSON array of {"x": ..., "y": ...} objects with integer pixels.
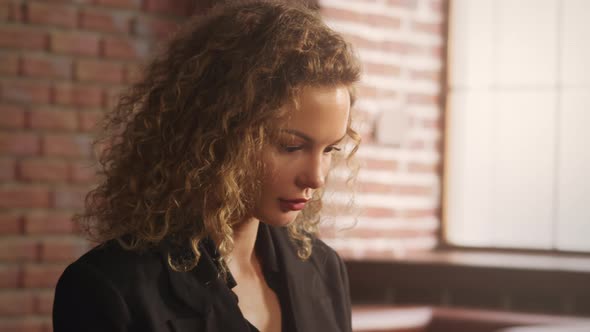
[{"x": 518, "y": 125}]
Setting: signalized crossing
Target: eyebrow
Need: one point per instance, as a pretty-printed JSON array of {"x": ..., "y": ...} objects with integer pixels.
[{"x": 306, "y": 137}]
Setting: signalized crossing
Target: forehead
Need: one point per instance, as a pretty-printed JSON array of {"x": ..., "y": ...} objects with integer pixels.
[{"x": 320, "y": 112}]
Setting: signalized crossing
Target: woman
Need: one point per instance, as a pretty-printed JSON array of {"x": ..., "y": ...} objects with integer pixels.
[{"x": 213, "y": 167}]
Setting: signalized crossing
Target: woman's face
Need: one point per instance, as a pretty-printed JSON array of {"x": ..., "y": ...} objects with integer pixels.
[{"x": 296, "y": 165}]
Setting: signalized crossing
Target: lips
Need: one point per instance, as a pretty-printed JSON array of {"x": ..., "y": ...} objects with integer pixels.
[{"x": 292, "y": 204}]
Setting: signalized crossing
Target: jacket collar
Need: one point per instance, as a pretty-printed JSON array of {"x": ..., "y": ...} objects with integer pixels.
[
  {"x": 192, "y": 286},
  {"x": 307, "y": 287}
]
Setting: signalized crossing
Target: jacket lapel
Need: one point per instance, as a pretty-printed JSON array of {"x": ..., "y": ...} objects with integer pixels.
[
  {"x": 308, "y": 294},
  {"x": 191, "y": 286},
  {"x": 205, "y": 292}
]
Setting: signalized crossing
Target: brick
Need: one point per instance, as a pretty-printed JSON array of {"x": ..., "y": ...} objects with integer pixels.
[
  {"x": 74, "y": 43},
  {"x": 7, "y": 169},
  {"x": 436, "y": 51},
  {"x": 10, "y": 11},
  {"x": 22, "y": 38},
  {"x": 375, "y": 188},
  {"x": 438, "y": 6},
  {"x": 378, "y": 212},
  {"x": 88, "y": 121},
  {"x": 133, "y": 73},
  {"x": 128, "y": 4},
  {"x": 124, "y": 48},
  {"x": 343, "y": 14},
  {"x": 51, "y": 14},
  {"x": 83, "y": 172},
  {"x": 25, "y": 324},
  {"x": 11, "y": 223},
  {"x": 48, "y": 222},
  {"x": 423, "y": 99},
  {"x": 78, "y": 95},
  {"x": 413, "y": 190},
  {"x": 67, "y": 145},
  {"x": 9, "y": 276},
  {"x": 105, "y": 21},
  {"x": 19, "y": 250},
  {"x": 19, "y": 143},
  {"x": 12, "y": 116},
  {"x": 383, "y": 21},
  {"x": 359, "y": 17},
  {"x": 416, "y": 167},
  {"x": 40, "y": 118},
  {"x": 418, "y": 213},
  {"x": 433, "y": 124},
  {"x": 407, "y": 4},
  {"x": 41, "y": 275},
  {"x": 112, "y": 97},
  {"x": 43, "y": 170},
  {"x": 381, "y": 164},
  {"x": 367, "y": 91},
  {"x": 44, "y": 300},
  {"x": 400, "y": 47},
  {"x": 99, "y": 71},
  {"x": 47, "y": 67},
  {"x": 430, "y": 28},
  {"x": 381, "y": 69},
  {"x": 64, "y": 250},
  {"x": 69, "y": 198},
  {"x": 14, "y": 303},
  {"x": 431, "y": 75},
  {"x": 24, "y": 197},
  {"x": 155, "y": 27},
  {"x": 27, "y": 92},
  {"x": 9, "y": 64},
  {"x": 177, "y": 8}
]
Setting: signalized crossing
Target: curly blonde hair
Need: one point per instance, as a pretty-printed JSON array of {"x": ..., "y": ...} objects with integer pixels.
[{"x": 180, "y": 151}]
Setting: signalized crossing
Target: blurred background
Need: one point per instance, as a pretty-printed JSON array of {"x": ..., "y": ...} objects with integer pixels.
[{"x": 471, "y": 207}]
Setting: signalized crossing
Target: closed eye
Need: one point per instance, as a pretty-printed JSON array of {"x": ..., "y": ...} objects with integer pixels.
[
  {"x": 332, "y": 149},
  {"x": 292, "y": 148}
]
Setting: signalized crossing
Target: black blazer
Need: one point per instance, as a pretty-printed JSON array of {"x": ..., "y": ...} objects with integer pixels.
[{"x": 112, "y": 289}]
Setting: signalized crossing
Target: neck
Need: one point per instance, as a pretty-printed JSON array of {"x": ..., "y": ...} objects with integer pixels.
[{"x": 243, "y": 256}]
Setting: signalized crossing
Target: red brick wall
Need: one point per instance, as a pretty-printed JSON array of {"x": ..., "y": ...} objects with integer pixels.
[
  {"x": 61, "y": 65},
  {"x": 401, "y": 44}
]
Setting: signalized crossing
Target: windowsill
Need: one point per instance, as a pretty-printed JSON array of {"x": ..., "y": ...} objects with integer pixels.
[
  {"x": 498, "y": 260},
  {"x": 520, "y": 282}
]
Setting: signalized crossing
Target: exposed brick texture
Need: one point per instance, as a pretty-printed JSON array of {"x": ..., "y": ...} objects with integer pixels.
[
  {"x": 400, "y": 45},
  {"x": 63, "y": 63},
  {"x": 59, "y": 62}
]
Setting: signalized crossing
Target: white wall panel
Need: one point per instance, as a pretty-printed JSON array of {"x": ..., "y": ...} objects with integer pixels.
[
  {"x": 471, "y": 62},
  {"x": 575, "y": 48},
  {"x": 470, "y": 166},
  {"x": 523, "y": 192},
  {"x": 526, "y": 42},
  {"x": 574, "y": 172}
]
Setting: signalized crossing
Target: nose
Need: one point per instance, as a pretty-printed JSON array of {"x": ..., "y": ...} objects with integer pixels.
[{"x": 313, "y": 173}]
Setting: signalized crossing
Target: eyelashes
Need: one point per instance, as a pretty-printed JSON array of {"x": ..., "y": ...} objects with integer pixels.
[{"x": 295, "y": 148}]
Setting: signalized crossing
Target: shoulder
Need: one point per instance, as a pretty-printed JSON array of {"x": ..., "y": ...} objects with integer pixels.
[
  {"x": 118, "y": 273},
  {"x": 327, "y": 261},
  {"x": 118, "y": 265},
  {"x": 323, "y": 258}
]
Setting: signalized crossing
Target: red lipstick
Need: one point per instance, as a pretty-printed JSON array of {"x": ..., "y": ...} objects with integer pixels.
[{"x": 292, "y": 204}]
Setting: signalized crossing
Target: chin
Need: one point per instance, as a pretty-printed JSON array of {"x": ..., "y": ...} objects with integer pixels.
[{"x": 283, "y": 219}]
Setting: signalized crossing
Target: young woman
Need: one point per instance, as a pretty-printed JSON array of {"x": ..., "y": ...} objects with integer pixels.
[{"x": 213, "y": 167}]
